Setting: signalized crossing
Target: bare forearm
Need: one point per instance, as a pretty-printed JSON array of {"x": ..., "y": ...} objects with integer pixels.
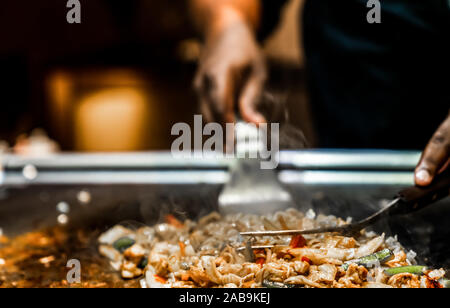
[
  {"x": 232, "y": 70},
  {"x": 214, "y": 15}
]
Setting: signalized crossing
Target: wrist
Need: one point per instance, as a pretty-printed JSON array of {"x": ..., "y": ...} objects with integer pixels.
[{"x": 225, "y": 18}]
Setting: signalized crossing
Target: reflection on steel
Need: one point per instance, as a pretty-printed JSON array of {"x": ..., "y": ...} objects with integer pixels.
[
  {"x": 30, "y": 172},
  {"x": 121, "y": 177},
  {"x": 333, "y": 167},
  {"x": 351, "y": 159},
  {"x": 211, "y": 177},
  {"x": 347, "y": 178},
  {"x": 113, "y": 160},
  {"x": 324, "y": 159}
]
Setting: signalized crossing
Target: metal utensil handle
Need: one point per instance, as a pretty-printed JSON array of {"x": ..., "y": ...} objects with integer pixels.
[{"x": 415, "y": 198}]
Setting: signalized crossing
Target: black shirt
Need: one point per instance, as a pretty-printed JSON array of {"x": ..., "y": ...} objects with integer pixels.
[{"x": 377, "y": 85}]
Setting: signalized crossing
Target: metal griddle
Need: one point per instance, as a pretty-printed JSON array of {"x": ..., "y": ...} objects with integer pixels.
[{"x": 141, "y": 188}]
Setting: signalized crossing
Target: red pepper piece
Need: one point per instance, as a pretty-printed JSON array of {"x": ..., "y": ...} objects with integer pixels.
[
  {"x": 307, "y": 260},
  {"x": 297, "y": 241},
  {"x": 260, "y": 261}
]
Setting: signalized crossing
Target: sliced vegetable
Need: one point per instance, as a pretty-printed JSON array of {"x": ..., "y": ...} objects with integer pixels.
[
  {"x": 143, "y": 264},
  {"x": 277, "y": 285},
  {"x": 123, "y": 244},
  {"x": 259, "y": 251},
  {"x": 413, "y": 269},
  {"x": 307, "y": 260},
  {"x": 297, "y": 241},
  {"x": 185, "y": 277},
  {"x": 260, "y": 261},
  {"x": 160, "y": 279},
  {"x": 370, "y": 261}
]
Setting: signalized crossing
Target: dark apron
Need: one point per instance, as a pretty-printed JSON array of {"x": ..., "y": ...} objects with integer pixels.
[{"x": 378, "y": 85}]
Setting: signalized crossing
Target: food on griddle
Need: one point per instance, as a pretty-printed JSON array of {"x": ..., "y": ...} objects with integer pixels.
[
  {"x": 211, "y": 253},
  {"x": 39, "y": 259}
]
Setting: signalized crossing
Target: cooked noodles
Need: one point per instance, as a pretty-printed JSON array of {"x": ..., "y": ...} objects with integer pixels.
[{"x": 211, "y": 253}]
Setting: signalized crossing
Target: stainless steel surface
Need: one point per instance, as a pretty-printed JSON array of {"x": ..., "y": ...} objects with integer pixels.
[
  {"x": 30, "y": 205},
  {"x": 321, "y": 167},
  {"x": 112, "y": 160},
  {"x": 306, "y": 159},
  {"x": 351, "y": 159},
  {"x": 105, "y": 177},
  {"x": 129, "y": 168},
  {"x": 347, "y": 178}
]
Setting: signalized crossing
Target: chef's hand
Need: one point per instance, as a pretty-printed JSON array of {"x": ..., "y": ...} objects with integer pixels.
[
  {"x": 231, "y": 72},
  {"x": 436, "y": 157}
]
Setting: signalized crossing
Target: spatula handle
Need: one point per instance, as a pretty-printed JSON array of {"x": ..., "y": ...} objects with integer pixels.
[{"x": 416, "y": 198}]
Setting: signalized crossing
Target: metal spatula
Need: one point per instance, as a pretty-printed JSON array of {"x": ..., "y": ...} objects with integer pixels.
[
  {"x": 252, "y": 189},
  {"x": 407, "y": 201}
]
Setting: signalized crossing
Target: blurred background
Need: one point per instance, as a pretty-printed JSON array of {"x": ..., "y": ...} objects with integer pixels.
[{"x": 119, "y": 80}]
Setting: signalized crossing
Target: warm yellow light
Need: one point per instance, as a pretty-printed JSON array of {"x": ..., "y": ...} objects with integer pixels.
[{"x": 114, "y": 119}]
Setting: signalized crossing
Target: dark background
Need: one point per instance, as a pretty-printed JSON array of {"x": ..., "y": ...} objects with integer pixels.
[
  {"x": 143, "y": 36},
  {"x": 37, "y": 39}
]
